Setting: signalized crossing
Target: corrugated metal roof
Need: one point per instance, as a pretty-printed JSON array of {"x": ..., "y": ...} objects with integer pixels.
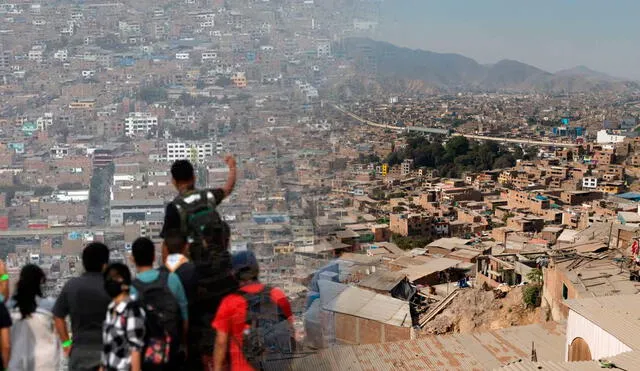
[
  {"x": 598, "y": 278},
  {"x": 367, "y": 304},
  {"x": 479, "y": 351},
  {"x": 617, "y": 315},
  {"x": 329, "y": 290},
  {"x": 625, "y": 361},
  {"x": 383, "y": 281},
  {"x": 466, "y": 254},
  {"x": 436, "y": 265},
  {"x": 449, "y": 243}
]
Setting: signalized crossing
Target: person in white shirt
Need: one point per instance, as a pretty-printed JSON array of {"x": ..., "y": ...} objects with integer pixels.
[{"x": 34, "y": 344}]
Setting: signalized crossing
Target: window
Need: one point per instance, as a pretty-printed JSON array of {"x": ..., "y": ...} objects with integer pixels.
[{"x": 565, "y": 292}]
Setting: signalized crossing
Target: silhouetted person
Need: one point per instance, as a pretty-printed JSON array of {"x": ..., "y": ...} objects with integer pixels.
[{"x": 85, "y": 301}]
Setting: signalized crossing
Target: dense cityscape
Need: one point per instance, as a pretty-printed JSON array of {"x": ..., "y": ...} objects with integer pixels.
[{"x": 411, "y": 225}]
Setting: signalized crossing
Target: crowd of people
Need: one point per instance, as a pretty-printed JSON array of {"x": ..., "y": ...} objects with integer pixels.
[{"x": 202, "y": 308}]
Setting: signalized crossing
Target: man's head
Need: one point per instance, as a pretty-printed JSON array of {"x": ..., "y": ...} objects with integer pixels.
[
  {"x": 175, "y": 242},
  {"x": 182, "y": 174},
  {"x": 143, "y": 251},
  {"x": 245, "y": 266},
  {"x": 95, "y": 257}
]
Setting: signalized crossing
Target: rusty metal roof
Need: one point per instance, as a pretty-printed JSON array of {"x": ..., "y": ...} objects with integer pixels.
[
  {"x": 478, "y": 351},
  {"x": 624, "y": 361}
]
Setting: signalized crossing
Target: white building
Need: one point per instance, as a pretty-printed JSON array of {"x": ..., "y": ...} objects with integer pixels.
[
  {"x": 139, "y": 124},
  {"x": 307, "y": 90},
  {"x": 209, "y": 55},
  {"x": 603, "y": 327},
  {"x": 193, "y": 151},
  {"x": 182, "y": 56},
  {"x": 59, "y": 151},
  {"x": 43, "y": 122},
  {"x": 36, "y": 54},
  {"x": 87, "y": 74},
  {"x": 61, "y": 55},
  {"x": 135, "y": 211},
  {"x": 603, "y": 137},
  {"x": 72, "y": 196},
  {"x": 589, "y": 183},
  {"x": 323, "y": 49}
]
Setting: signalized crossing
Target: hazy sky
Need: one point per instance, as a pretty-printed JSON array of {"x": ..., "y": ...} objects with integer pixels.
[{"x": 550, "y": 34}]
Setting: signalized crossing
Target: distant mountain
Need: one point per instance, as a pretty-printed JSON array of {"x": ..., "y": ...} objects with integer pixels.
[
  {"x": 429, "y": 70},
  {"x": 583, "y": 71}
]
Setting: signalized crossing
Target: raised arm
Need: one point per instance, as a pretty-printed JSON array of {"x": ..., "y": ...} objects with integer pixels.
[{"x": 231, "y": 179}]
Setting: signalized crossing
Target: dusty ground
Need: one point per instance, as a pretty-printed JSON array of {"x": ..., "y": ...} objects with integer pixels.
[{"x": 477, "y": 310}]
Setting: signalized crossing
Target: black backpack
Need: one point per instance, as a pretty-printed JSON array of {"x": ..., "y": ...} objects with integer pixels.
[
  {"x": 208, "y": 237},
  {"x": 162, "y": 316},
  {"x": 268, "y": 336}
]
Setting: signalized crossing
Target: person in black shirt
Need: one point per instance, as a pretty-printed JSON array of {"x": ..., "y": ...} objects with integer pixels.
[
  {"x": 5, "y": 336},
  {"x": 85, "y": 301},
  {"x": 213, "y": 278},
  {"x": 184, "y": 179}
]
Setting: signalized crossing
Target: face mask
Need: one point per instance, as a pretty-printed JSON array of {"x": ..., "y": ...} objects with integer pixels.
[{"x": 113, "y": 288}]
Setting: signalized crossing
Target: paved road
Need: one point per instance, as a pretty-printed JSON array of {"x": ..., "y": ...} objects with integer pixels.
[
  {"x": 58, "y": 231},
  {"x": 98, "y": 210},
  {"x": 470, "y": 136}
]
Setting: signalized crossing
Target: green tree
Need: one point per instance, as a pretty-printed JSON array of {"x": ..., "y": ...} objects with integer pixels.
[
  {"x": 456, "y": 146},
  {"x": 532, "y": 292},
  {"x": 518, "y": 153},
  {"x": 504, "y": 161},
  {"x": 535, "y": 276},
  {"x": 394, "y": 158}
]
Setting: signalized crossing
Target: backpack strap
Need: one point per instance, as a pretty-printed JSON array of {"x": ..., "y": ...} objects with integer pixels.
[{"x": 181, "y": 206}]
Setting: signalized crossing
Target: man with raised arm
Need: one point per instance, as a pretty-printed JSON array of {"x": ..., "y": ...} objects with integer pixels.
[{"x": 193, "y": 213}]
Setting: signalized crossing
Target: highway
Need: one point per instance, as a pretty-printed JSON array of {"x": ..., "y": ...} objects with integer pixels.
[
  {"x": 470, "y": 136},
  {"x": 58, "y": 231},
  {"x": 515, "y": 140}
]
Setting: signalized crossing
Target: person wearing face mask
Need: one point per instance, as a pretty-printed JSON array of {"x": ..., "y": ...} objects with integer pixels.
[{"x": 123, "y": 331}]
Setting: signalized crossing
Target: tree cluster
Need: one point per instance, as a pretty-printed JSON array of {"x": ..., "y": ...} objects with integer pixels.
[{"x": 457, "y": 156}]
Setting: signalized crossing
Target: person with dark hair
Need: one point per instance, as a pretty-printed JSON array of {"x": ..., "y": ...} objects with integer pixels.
[
  {"x": 124, "y": 326},
  {"x": 162, "y": 290},
  {"x": 194, "y": 213},
  {"x": 84, "y": 300},
  {"x": 247, "y": 347},
  {"x": 175, "y": 258},
  {"x": 34, "y": 345}
]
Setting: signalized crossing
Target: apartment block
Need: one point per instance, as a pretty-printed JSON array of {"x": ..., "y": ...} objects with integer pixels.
[
  {"x": 139, "y": 124},
  {"x": 193, "y": 151}
]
